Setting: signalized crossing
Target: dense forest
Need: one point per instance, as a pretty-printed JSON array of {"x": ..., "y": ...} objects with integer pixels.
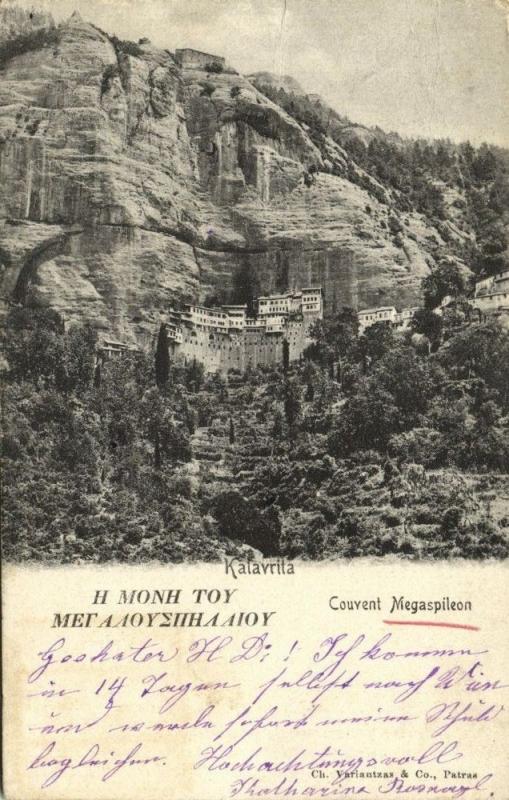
[{"x": 385, "y": 443}]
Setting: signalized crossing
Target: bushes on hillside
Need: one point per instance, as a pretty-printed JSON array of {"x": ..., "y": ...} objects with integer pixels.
[
  {"x": 414, "y": 176},
  {"x": 239, "y": 520},
  {"x": 109, "y": 74},
  {"x": 207, "y": 88},
  {"x": 126, "y": 47},
  {"x": 28, "y": 42},
  {"x": 214, "y": 67},
  {"x": 378, "y": 455}
]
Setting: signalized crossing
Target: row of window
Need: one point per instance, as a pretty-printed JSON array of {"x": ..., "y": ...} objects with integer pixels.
[{"x": 213, "y": 346}]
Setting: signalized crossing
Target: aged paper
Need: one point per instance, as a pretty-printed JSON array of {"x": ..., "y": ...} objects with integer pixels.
[
  {"x": 144, "y": 682},
  {"x": 254, "y": 268}
]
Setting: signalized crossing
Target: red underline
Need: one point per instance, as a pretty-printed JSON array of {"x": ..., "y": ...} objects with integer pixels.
[{"x": 432, "y": 624}]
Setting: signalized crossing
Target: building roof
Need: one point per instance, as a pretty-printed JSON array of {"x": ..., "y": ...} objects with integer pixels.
[
  {"x": 209, "y": 309},
  {"x": 289, "y": 294},
  {"x": 495, "y": 276},
  {"x": 193, "y": 50},
  {"x": 113, "y": 343},
  {"x": 182, "y": 50},
  {"x": 375, "y": 310}
]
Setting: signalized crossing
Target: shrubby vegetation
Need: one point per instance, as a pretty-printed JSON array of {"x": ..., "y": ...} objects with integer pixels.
[
  {"x": 95, "y": 455},
  {"x": 111, "y": 71},
  {"x": 417, "y": 175},
  {"x": 214, "y": 67},
  {"x": 207, "y": 88},
  {"x": 372, "y": 445},
  {"x": 125, "y": 47},
  {"x": 27, "y": 42}
]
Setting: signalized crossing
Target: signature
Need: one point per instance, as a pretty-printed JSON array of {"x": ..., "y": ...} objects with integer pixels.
[
  {"x": 393, "y": 787},
  {"x": 264, "y": 711}
]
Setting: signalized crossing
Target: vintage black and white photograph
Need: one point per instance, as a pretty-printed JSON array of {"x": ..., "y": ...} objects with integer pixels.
[{"x": 255, "y": 280}]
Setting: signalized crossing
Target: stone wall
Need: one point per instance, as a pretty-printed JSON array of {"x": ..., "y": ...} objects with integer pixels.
[
  {"x": 220, "y": 352},
  {"x": 195, "y": 59},
  {"x": 223, "y": 352}
]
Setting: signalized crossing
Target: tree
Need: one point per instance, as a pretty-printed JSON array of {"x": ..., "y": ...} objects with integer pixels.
[
  {"x": 277, "y": 427},
  {"x": 333, "y": 338},
  {"x": 286, "y": 356},
  {"x": 190, "y": 418},
  {"x": 162, "y": 357},
  {"x": 239, "y": 519},
  {"x": 492, "y": 243},
  {"x": 37, "y": 349},
  {"x": 332, "y": 371},
  {"x": 157, "y": 452},
  {"x": 79, "y": 357},
  {"x": 405, "y": 488},
  {"x": 367, "y": 420},
  {"x": 481, "y": 351},
  {"x": 484, "y": 166},
  {"x": 195, "y": 375},
  {"x": 310, "y": 375},
  {"x": 445, "y": 279},
  {"x": 376, "y": 341},
  {"x": 429, "y": 199},
  {"x": 412, "y": 382},
  {"x": 33, "y": 344},
  {"x": 292, "y": 403},
  {"x": 429, "y": 324},
  {"x": 425, "y": 446},
  {"x": 232, "y": 432},
  {"x": 97, "y": 375}
]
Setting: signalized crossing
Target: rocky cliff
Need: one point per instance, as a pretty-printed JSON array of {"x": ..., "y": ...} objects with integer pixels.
[
  {"x": 16, "y": 21},
  {"x": 127, "y": 182}
]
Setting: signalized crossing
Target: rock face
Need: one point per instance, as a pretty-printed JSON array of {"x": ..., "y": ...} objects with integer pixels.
[
  {"x": 277, "y": 81},
  {"x": 16, "y": 21},
  {"x": 128, "y": 182}
]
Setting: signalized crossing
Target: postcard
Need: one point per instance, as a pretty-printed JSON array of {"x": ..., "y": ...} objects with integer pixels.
[{"x": 255, "y": 386}]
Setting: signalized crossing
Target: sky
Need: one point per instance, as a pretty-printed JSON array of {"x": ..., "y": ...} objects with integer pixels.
[{"x": 431, "y": 68}]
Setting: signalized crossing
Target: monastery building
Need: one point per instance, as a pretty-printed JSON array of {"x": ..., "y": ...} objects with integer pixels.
[{"x": 229, "y": 338}]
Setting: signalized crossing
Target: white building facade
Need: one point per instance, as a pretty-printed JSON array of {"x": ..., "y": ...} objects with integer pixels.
[
  {"x": 228, "y": 338},
  {"x": 389, "y": 314},
  {"x": 492, "y": 294}
]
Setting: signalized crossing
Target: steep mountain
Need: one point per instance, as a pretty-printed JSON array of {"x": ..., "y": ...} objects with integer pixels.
[
  {"x": 285, "y": 82},
  {"x": 129, "y": 180}
]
